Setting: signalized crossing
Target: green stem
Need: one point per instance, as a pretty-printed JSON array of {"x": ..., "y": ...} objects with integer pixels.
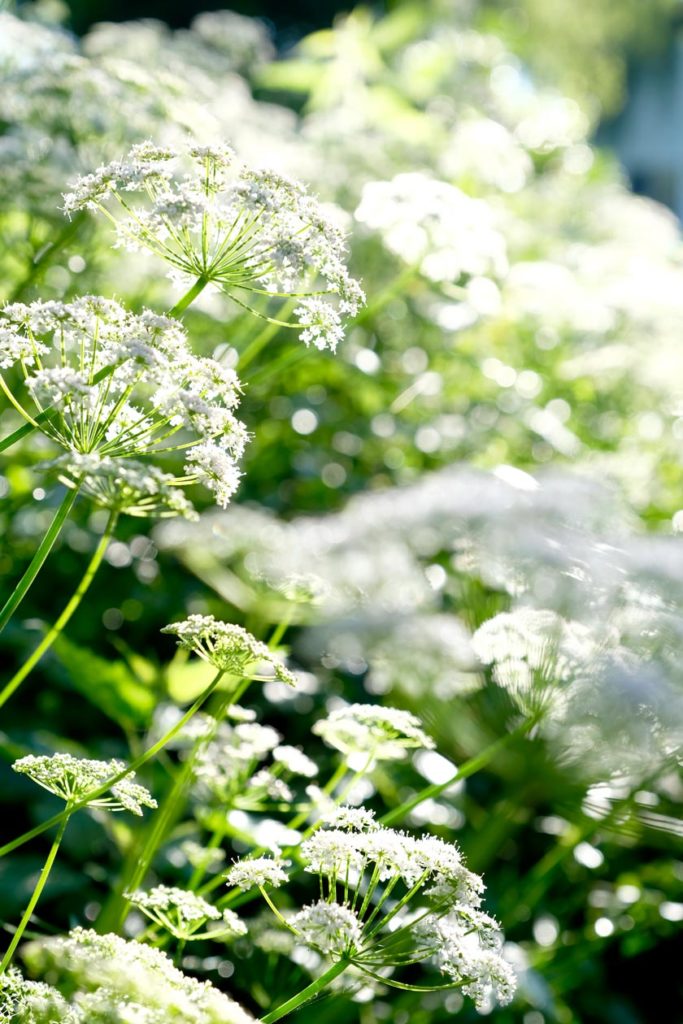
[
  {"x": 306, "y": 994},
  {"x": 162, "y": 821},
  {"x": 474, "y": 764},
  {"x": 47, "y": 254},
  {"x": 189, "y": 297},
  {"x": 264, "y": 336},
  {"x": 138, "y": 762},
  {"x": 40, "y": 885},
  {"x": 68, "y": 611},
  {"x": 19, "y": 592}
]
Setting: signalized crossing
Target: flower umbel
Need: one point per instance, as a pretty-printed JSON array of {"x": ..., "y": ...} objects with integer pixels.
[
  {"x": 109, "y": 384},
  {"x": 183, "y": 913},
  {"x": 383, "y": 733},
  {"x": 251, "y": 232},
  {"x": 227, "y": 647},
  {"x": 72, "y": 778}
]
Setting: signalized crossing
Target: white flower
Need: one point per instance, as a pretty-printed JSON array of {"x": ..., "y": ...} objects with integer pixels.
[
  {"x": 256, "y": 871},
  {"x": 252, "y": 232},
  {"x": 355, "y": 819},
  {"x": 295, "y": 761},
  {"x": 72, "y": 778},
  {"x": 328, "y": 927},
  {"x": 125, "y": 485},
  {"x": 106, "y": 384},
  {"x": 183, "y": 913},
  {"x": 384, "y": 733},
  {"x": 130, "y": 974},
  {"x": 434, "y": 225},
  {"x": 227, "y": 647}
]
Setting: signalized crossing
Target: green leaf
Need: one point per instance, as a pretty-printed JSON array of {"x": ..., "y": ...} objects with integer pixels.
[{"x": 112, "y": 686}]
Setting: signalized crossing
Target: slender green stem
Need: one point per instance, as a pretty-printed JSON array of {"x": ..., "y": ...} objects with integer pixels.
[
  {"x": 474, "y": 764},
  {"x": 40, "y": 885},
  {"x": 47, "y": 254},
  {"x": 21, "y": 432},
  {"x": 263, "y": 337},
  {"x": 138, "y": 762},
  {"x": 306, "y": 994},
  {"x": 163, "y": 819},
  {"x": 189, "y": 297},
  {"x": 19, "y": 592},
  {"x": 68, "y": 611}
]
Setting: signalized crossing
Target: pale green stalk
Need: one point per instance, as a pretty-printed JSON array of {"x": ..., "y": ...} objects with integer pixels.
[
  {"x": 44, "y": 548},
  {"x": 68, "y": 611},
  {"x": 40, "y": 885},
  {"x": 306, "y": 994}
]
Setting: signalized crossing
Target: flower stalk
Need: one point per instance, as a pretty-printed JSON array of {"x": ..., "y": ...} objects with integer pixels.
[{"x": 69, "y": 609}]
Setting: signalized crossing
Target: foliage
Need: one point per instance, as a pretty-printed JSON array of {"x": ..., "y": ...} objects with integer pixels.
[{"x": 451, "y": 523}]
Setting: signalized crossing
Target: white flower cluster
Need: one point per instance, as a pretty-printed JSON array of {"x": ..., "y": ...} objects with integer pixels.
[
  {"x": 388, "y": 899},
  {"x": 72, "y": 778},
  {"x": 382, "y": 733},
  {"x": 435, "y": 226},
  {"x": 110, "y": 384},
  {"x": 107, "y": 978},
  {"x": 130, "y": 486},
  {"x": 227, "y": 647},
  {"x": 533, "y": 652},
  {"x": 252, "y": 232},
  {"x": 183, "y": 913},
  {"x": 226, "y": 767},
  {"x": 328, "y": 927},
  {"x": 256, "y": 872}
]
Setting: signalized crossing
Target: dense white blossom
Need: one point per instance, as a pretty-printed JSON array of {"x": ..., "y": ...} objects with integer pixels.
[
  {"x": 183, "y": 913},
  {"x": 251, "y": 232},
  {"x": 256, "y": 871},
  {"x": 329, "y": 927},
  {"x": 108, "y": 384},
  {"x": 434, "y": 226},
  {"x": 383, "y": 733},
  {"x": 129, "y": 975}
]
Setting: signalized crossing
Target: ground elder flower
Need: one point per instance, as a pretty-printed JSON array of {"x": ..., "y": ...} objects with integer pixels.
[
  {"x": 354, "y": 819},
  {"x": 328, "y": 927},
  {"x": 120, "y": 385},
  {"x": 434, "y": 225},
  {"x": 533, "y": 650},
  {"x": 227, "y": 647},
  {"x": 72, "y": 778},
  {"x": 295, "y": 761},
  {"x": 134, "y": 977},
  {"x": 250, "y": 232},
  {"x": 125, "y": 485},
  {"x": 389, "y": 899},
  {"x": 256, "y": 872},
  {"x": 183, "y": 913},
  {"x": 382, "y": 733}
]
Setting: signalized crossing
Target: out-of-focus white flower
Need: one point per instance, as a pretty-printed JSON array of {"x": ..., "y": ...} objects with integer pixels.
[
  {"x": 382, "y": 733},
  {"x": 115, "y": 973},
  {"x": 433, "y": 225}
]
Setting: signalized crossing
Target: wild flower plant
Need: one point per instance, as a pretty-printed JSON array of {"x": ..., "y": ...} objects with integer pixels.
[{"x": 216, "y": 221}]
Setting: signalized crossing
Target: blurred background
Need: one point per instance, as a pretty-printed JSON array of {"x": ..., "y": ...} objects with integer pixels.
[{"x": 485, "y": 481}]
